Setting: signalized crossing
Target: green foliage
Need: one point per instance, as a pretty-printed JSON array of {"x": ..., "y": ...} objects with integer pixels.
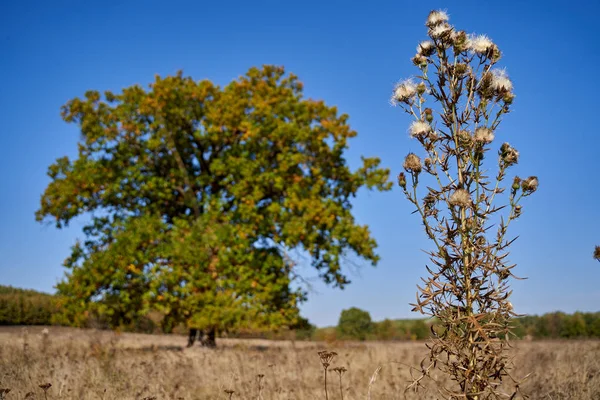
[
  {"x": 26, "y": 307},
  {"x": 355, "y": 324},
  {"x": 198, "y": 193},
  {"x": 558, "y": 325}
]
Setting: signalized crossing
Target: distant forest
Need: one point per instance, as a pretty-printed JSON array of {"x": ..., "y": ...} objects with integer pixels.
[{"x": 29, "y": 307}]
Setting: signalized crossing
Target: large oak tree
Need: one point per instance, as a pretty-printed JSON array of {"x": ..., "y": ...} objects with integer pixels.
[{"x": 196, "y": 195}]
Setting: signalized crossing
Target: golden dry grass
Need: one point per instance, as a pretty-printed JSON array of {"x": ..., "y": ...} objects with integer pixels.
[{"x": 85, "y": 364}]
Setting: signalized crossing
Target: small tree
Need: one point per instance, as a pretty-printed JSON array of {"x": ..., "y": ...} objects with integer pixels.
[
  {"x": 457, "y": 103},
  {"x": 355, "y": 324}
]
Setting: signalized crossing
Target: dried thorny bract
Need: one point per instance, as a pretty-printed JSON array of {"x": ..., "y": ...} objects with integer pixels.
[{"x": 457, "y": 102}]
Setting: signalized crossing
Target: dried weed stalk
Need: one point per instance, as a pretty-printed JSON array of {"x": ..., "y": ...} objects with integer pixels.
[
  {"x": 457, "y": 103},
  {"x": 326, "y": 358}
]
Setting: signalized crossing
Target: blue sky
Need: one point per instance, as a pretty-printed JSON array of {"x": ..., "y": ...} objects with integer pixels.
[{"x": 350, "y": 55}]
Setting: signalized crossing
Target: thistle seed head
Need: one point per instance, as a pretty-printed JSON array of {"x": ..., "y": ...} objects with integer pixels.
[
  {"x": 530, "y": 184},
  {"x": 509, "y": 154},
  {"x": 465, "y": 139},
  {"x": 436, "y": 17},
  {"x": 460, "y": 41},
  {"x": 500, "y": 81},
  {"x": 419, "y": 60},
  {"x": 441, "y": 32},
  {"x": 412, "y": 163},
  {"x": 484, "y": 135},
  {"x": 428, "y": 162},
  {"x": 460, "y": 198},
  {"x": 479, "y": 44},
  {"x": 426, "y": 48},
  {"x": 419, "y": 129},
  {"x": 404, "y": 92}
]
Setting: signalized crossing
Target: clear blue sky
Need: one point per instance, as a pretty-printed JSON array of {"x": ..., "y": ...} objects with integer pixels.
[{"x": 349, "y": 54}]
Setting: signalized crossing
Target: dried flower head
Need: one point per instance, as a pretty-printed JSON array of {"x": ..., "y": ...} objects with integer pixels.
[
  {"x": 530, "y": 184},
  {"x": 518, "y": 211},
  {"x": 460, "y": 198},
  {"x": 340, "y": 370},
  {"x": 509, "y": 154},
  {"x": 326, "y": 358},
  {"x": 500, "y": 81},
  {"x": 441, "y": 31},
  {"x": 402, "y": 180},
  {"x": 428, "y": 162},
  {"x": 404, "y": 92},
  {"x": 419, "y": 60},
  {"x": 480, "y": 44},
  {"x": 420, "y": 129},
  {"x": 426, "y": 48},
  {"x": 45, "y": 386},
  {"x": 516, "y": 183},
  {"x": 465, "y": 139},
  {"x": 437, "y": 17},
  {"x": 597, "y": 253},
  {"x": 484, "y": 134},
  {"x": 460, "y": 40},
  {"x": 412, "y": 163}
]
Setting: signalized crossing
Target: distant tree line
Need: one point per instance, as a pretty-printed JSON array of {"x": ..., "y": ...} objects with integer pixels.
[
  {"x": 27, "y": 307},
  {"x": 30, "y": 307},
  {"x": 356, "y": 324}
]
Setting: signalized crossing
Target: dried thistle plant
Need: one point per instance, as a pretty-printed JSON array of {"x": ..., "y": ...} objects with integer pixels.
[
  {"x": 597, "y": 253},
  {"x": 326, "y": 357},
  {"x": 457, "y": 103}
]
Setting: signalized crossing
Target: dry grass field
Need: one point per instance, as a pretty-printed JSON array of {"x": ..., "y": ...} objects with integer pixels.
[{"x": 86, "y": 364}]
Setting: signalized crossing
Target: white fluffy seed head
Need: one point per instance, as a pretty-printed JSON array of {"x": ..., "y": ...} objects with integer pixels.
[
  {"x": 484, "y": 135},
  {"x": 425, "y": 47},
  {"x": 404, "y": 91},
  {"x": 419, "y": 128},
  {"x": 437, "y": 17},
  {"x": 500, "y": 80},
  {"x": 479, "y": 43},
  {"x": 439, "y": 31}
]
